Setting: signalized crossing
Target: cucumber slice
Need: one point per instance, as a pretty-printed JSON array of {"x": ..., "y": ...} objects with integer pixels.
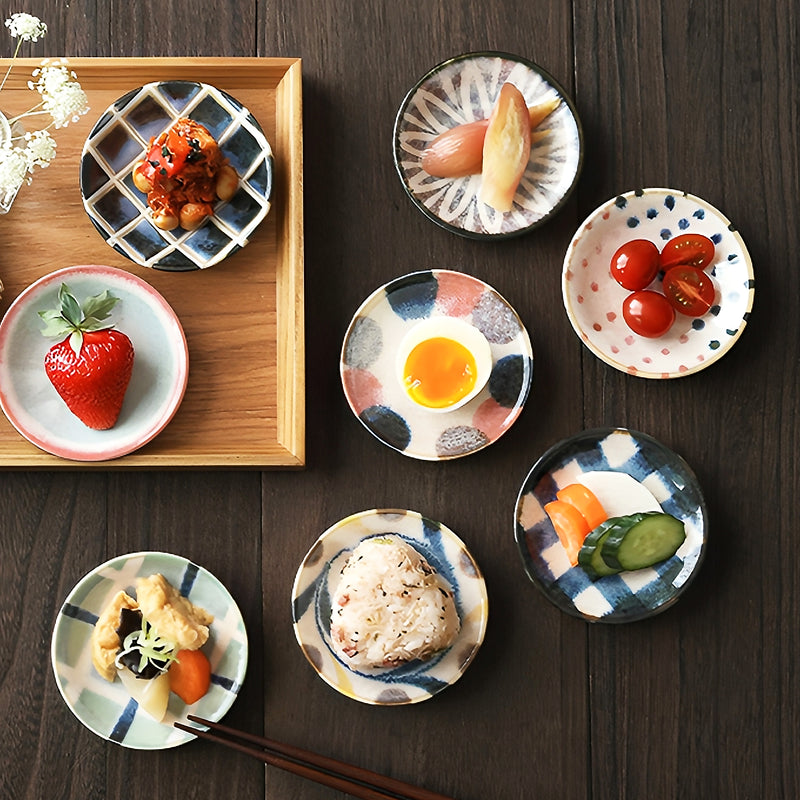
[
  {"x": 590, "y": 556},
  {"x": 653, "y": 538}
]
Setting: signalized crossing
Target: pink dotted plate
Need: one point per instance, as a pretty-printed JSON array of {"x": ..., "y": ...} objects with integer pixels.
[{"x": 593, "y": 299}]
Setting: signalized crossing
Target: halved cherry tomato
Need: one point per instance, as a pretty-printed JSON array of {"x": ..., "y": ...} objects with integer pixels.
[
  {"x": 635, "y": 264},
  {"x": 688, "y": 248},
  {"x": 648, "y": 313},
  {"x": 689, "y": 290}
]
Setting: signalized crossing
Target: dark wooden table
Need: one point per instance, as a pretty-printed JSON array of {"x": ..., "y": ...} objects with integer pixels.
[{"x": 702, "y": 701}]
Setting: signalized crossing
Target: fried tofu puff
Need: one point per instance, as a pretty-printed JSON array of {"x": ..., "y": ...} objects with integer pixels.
[
  {"x": 172, "y": 615},
  {"x": 105, "y": 640}
]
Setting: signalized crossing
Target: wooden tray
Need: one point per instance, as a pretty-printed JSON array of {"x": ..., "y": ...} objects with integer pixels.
[{"x": 243, "y": 318}]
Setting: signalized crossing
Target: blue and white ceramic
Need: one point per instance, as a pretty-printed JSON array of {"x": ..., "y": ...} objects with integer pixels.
[
  {"x": 369, "y": 374},
  {"x": 121, "y": 137},
  {"x": 627, "y": 596},
  {"x": 593, "y": 299},
  {"x": 106, "y": 708},
  {"x": 315, "y": 584},
  {"x": 465, "y": 89}
]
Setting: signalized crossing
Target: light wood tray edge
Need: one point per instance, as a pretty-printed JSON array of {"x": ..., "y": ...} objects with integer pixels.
[{"x": 289, "y": 451}]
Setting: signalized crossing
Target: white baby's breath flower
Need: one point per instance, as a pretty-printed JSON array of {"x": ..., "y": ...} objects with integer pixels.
[
  {"x": 50, "y": 77},
  {"x": 27, "y": 27},
  {"x": 13, "y": 169},
  {"x": 40, "y": 149},
  {"x": 67, "y": 104},
  {"x": 61, "y": 98}
]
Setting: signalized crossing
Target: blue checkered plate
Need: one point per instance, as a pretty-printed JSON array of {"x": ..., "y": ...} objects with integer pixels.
[
  {"x": 106, "y": 708},
  {"x": 120, "y": 138},
  {"x": 627, "y": 596},
  {"x": 315, "y": 584}
]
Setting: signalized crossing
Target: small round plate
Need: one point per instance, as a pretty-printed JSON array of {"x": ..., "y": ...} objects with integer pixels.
[
  {"x": 315, "y": 584},
  {"x": 370, "y": 379},
  {"x": 158, "y": 381},
  {"x": 106, "y": 708},
  {"x": 120, "y": 138},
  {"x": 627, "y": 596},
  {"x": 593, "y": 299},
  {"x": 464, "y": 89}
]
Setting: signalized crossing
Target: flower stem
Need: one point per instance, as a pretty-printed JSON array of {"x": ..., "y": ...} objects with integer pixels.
[
  {"x": 11, "y": 64},
  {"x": 32, "y": 113}
]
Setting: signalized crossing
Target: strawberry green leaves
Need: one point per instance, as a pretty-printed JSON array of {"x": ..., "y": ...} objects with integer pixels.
[{"x": 73, "y": 320}]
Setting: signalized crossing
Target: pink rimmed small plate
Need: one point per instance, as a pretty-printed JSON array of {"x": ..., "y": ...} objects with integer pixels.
[
  {"x": 593, "y": 299},
  {"x": 158, "y": 381}
]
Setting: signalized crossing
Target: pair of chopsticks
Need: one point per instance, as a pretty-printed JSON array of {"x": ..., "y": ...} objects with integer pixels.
[{"x": 347, "y": 778}]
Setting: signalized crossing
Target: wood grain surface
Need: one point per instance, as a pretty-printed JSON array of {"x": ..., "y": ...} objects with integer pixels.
[{"x": 702, "y": 701}]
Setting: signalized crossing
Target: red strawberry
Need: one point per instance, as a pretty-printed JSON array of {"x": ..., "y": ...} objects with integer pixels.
[{"x": 91, "y": 368}]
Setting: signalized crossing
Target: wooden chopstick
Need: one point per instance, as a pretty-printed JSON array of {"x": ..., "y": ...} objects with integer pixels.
[{"x": 352, "y": 780}]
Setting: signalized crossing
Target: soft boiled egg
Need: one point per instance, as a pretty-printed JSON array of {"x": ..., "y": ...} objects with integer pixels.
[{"x": 443, "y": 362}]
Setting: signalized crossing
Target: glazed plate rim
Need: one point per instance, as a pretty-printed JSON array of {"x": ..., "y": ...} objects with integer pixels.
[
  {"x": 400, "y": 155},
  {"x": 443, "y": 669},
  {"x": 171, "y": 737},
  {"x": 34, "y": 408},
  {"x": 567, "y": 588}
]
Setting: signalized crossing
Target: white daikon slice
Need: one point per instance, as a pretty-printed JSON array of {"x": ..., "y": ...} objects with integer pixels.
[
  {"x": 151, "y": 695},
  {"x": 620, "y": 494}
]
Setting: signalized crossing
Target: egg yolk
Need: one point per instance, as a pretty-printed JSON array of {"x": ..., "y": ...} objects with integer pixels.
[{"x": 439, "y": 372}]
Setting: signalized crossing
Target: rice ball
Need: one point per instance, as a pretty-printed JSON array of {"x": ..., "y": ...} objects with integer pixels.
[{"x": 391, "y": 606}]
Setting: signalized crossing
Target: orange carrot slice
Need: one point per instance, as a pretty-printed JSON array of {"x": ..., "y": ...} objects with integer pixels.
[
  {"x": 459, "y": 151},
  {"x": 570, "y": 525},
  {"x": 190, "y": 675},
  {"x": 506, "y": 149},
  {"x": 576, "y": 494}
]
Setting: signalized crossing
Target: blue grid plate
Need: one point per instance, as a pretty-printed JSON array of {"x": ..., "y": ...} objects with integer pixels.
[
  {"x": 120, "y": 212},
  {"x": 593, "y": 299},
  {"x": 315, "y": 584},
  {"x": 106, "y": 708},
  {"x": 464, "y": 89},
  {"x": 627, "y": 596}
]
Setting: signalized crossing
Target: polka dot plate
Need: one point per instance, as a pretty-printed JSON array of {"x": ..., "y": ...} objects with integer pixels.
[
  {"x": 106, "y": 708},
  {"x": 464, "y": 89},
  {"x": 373, "y": 389},
  {"x": 593, "y": 299},
  {"x": 119, "y": 210},
  {"x": 316, "y": 582},
  {"x": 627, "y": 596}
]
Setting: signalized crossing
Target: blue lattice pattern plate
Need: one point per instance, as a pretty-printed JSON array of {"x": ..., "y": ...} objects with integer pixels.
[
  {"x": 465, "y": 89},
  {"x": 316, "y": 582},
  {"x": 627, "y": 596},
  {"x": 120, "y": 138},
  {"x": 369, "y": 376},
  {"x": 106, "y": 708},
  {"x": 593, "y": 299}
]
